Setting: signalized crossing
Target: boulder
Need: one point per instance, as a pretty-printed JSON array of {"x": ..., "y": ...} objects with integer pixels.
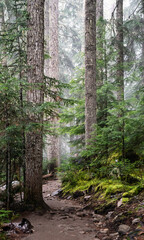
[{"x": 123, "y": 229}]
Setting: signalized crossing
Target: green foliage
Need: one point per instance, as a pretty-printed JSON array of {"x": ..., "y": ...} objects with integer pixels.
[
  {"x": 5, "y": 216},
  {"x": 112, "y": 153},
  {"x": 14, "y": 109},
  {"x": 72, "y": 118}
]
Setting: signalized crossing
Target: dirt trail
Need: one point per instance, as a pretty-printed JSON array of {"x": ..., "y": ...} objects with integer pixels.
[{"x": 66, "y": 221}]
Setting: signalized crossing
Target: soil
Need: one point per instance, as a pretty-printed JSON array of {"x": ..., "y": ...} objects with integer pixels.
[
  {"x": 66, "y": 220},
  {"x": 70, "y": 220}
]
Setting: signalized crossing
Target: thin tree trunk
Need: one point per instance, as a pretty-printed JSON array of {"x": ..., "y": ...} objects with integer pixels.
[
  {"x": 99, "y": 42},
  {"x": 51, "y": 70},
  {"x": 7, "y": 154},
  {"x": 90, "y": 68},
  {"x": 8, "y": 176},
  {"x": 142, "y": 81},
  {"x": 21, "y": 101},
  {"x": 35, "y": 97},
  {"x": 120, "y": 65}
]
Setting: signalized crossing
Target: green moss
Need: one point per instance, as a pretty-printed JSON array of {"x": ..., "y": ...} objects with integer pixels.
[
  {"x": 125, "y": 200},
  {"x": 103, "y": 188},
  {"x": 82, "y": 185},
  {"x": 134, "y": 191},
  {"x": 116, "y": 188}
]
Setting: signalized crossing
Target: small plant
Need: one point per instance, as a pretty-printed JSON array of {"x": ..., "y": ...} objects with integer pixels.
[{"x": 5, "y": 216}]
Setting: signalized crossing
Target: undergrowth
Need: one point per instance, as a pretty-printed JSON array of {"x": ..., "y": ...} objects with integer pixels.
[
  {"x": 120, "y": 181},
  {"x": 5, "y": 217}
]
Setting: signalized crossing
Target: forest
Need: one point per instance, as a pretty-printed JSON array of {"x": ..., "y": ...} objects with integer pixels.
[{"x": 72, "y": 106}]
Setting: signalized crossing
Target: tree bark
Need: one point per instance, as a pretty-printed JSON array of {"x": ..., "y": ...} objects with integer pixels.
[
  {"x": 120, "y": 66},
  {"x": 142, "y": 80},
  {"x": 51, "y": 69},
  {"x": 120, "y": 57},
  {"x": 99, "y": 42},
  {"x": 35, "y": 97},
  {"x": 7, "y": 152},
  {"x": 90, "y": 68}
]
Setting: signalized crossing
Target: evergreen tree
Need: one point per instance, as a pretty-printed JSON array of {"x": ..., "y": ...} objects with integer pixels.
[
  {"x": 13, "y": 64},
  {"x": 35, "y": 97},
  {"x": 52, "y": 147},
  {"x": 90, "y": 68}
]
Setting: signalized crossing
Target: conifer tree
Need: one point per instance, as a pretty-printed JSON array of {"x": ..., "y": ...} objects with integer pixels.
[
  {"x": 52, "y": 71},
  {"x": 35, "y": 97},
  {"x": 120, "y": 66},
  {"x": 90, "y": 68},
  {"x": 12, "y": 66}
]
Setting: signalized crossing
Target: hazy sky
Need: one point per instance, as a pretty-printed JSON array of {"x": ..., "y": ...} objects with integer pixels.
[{"x": 109, "y": 5}]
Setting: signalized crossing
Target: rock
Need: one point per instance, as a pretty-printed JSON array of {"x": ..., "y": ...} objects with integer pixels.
[
  {"x": 86, "y": 198},
  {"x": 99, "y": 224},
  {"x": 69, "y": 197},
  {"x": 57, "y": 192},
  {"x": 70, "y": 229},
  {"x": 104, "y": 231},
  {"x": 114, "y": 235},
  {"x": 120, "y": 202},
  {"x": 119, "y": 218},
  {"x": 69, "y": 209},
  {"x": 82, "y": 232},
  {"x": 63, "y": 217},
  {"x": 123, "y": 229},
  {"x": 15, "y": 186},
  {"x": 97, "y": 217},
  {"x": 81, "y": 214},
  {"x": 108, "y": 216},
  {"x": 96, "y": 238},
  {"x": 135, "y": 221},
  {"x": 78, "y": 194},
  {"x": 2, "y": 188},
  {"x": 106, "y": 238}
]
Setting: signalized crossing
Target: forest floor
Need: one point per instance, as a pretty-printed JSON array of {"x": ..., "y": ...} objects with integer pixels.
[{"x": 70, "y": 220}]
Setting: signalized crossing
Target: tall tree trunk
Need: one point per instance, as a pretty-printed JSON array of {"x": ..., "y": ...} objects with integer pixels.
[
  {"x": 21, "y": 75},
  {"x": 7, "y": 153},
  {"x": 100, "y": 39},
  {"x": 120, "y": 65},
  {"x": 90, "y": 68},
  {"x": 35, "y": 97},
  {"x": 99, "y": 42},
  {"x": 51, "y": 69},
  {"x": 142, "y": 80}
]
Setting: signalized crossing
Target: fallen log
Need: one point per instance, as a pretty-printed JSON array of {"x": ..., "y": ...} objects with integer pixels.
[{"x": 47, "y": 176}]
